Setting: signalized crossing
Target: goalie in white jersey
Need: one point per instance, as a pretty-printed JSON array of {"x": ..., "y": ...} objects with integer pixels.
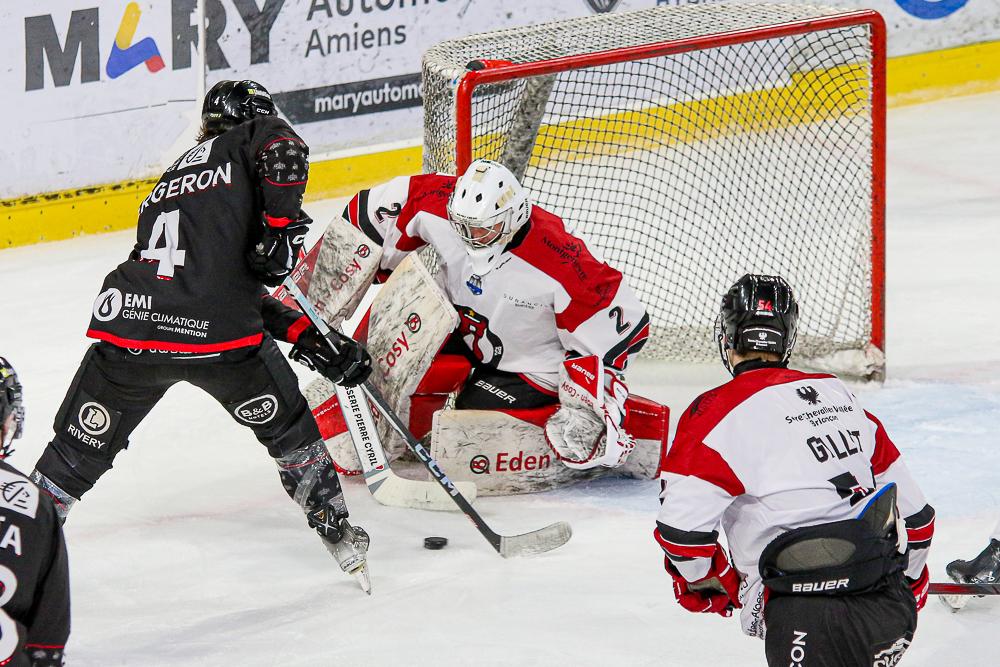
[
  {"x": 808, "y": 488},
  {"x": 540, "y": 317}
]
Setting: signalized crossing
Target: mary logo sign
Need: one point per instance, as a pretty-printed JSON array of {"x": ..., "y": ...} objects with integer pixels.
[
  {"x": 257, "y": 411},
  {"x": 125, "y": 54}
]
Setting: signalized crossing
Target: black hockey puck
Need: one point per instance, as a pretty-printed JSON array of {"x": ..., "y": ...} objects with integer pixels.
[{"x": 435, "y": 543}]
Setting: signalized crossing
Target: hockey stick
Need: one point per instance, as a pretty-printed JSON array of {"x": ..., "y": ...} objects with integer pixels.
[
  {"x": 526, "y": 544},
  {"x": 963, "y": 589},
  {"x": 386, "y": 486},
  {"x": 535, "y": 542}
]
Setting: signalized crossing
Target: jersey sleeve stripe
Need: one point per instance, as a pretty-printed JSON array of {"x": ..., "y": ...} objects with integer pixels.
[
  {"x": 920, "y": 526},
  {"x": 685, "y": 544},
  {"x": 616, "y": 356},
  {"x": 296, "y": 329},
  {"x": 351, "y": 211},
  {"x": 283, "y": 185},
  {"x": 277, "y": 222},
  {"x": 364, "y": 221}
]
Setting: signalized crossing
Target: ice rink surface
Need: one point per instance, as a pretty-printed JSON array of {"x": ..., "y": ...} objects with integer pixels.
[{"x": 190, "y": 553}]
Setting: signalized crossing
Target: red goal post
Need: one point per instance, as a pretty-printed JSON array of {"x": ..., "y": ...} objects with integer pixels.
[{"x": 597, "y": 119}]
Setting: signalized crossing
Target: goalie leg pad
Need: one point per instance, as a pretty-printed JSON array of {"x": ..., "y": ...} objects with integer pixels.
[
  {"x": 322, "y": 398},
  {"x": 502, "y": 454},
  {"x": 345, "y": 267},
  {"x": 410, "y": 320}
]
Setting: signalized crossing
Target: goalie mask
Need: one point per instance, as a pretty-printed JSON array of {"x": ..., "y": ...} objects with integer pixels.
[
  {"x": 488, "y": 205},
  {"x": 758, "y": 314},
  {"x": 11, "y": 408}
]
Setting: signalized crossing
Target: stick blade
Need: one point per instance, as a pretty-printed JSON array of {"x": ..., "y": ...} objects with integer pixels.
[
  {"x": 954, "y": 602},
  {"x": 396, "y": 491},
  {"x": 536, "y": 542}
]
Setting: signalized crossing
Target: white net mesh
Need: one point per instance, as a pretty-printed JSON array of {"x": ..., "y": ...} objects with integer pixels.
[{"x": 687, "y": 171}]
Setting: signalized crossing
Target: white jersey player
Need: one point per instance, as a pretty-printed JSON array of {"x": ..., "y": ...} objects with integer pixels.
[
  {"x": 805, "y": 484},
  {"x": 541, "y": 317}
]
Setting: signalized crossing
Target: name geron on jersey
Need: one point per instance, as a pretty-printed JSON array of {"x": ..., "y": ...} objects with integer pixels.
[{"x": 189, "y": 184}]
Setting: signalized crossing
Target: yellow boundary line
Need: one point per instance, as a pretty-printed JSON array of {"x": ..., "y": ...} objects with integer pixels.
[{"x": 914, "y": 79}]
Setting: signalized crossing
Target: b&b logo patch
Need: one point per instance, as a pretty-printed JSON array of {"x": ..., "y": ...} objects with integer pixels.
[{"x": 257, "y": 411}]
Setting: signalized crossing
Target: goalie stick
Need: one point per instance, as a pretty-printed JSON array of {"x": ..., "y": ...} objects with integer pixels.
[{"x": 526, "y": 544}]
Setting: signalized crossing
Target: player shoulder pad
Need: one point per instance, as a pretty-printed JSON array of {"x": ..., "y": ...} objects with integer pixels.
[
  {"x": 269, "y": 124},
  {"x": 550, "y": 248},
  {"x": 18, "y": 493},
  {"x": 428, "y": 193},
  {"x": 710, "y": 408}
]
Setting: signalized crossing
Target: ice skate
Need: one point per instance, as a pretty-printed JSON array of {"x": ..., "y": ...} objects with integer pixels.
[
  {"x": 351, "y": 552},
  {"x": 983, "y": 569}
]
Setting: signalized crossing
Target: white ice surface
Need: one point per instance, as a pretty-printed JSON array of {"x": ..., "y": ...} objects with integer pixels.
[{"x": 189, "y": 553}]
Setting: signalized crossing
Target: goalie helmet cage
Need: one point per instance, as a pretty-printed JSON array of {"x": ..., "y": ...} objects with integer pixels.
[{"x": 692, "y": 145}]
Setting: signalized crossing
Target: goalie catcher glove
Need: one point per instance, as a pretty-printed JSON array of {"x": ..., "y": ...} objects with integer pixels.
[
  {"x": 348, "y": 365},
  {"x": 272, "y": 258},
  {"x": 587, "y": 431},
  {"x": 715, "y": 593}
]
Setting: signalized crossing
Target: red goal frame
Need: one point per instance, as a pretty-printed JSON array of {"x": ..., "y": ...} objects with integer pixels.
[{"x": 497, "y": 71}]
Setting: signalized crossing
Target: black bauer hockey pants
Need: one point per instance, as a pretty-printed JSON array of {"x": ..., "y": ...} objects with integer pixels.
[
  {"x": 864, "y": 630},
  {"x": 113, "y": 391},
  {"x": 490, "y": 389}
]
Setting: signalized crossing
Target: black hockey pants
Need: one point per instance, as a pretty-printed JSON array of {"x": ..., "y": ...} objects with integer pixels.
[
  {"x": 490, "y": 389},
  {"x": 864, "y": 630},
  {"x": 113, "y": 391}
]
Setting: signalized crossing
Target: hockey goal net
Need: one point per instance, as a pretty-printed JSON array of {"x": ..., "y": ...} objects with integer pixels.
[{"x": 691, "y": 145}]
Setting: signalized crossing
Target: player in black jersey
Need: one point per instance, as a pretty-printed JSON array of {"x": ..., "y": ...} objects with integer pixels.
[
  {"x": 189, "y": 304},
  {"x": 34, "y": 575}
]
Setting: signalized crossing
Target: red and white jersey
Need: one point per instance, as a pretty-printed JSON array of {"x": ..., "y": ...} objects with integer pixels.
[
  {"x": 522, "y": 306},
  {"x": 772, "y": 450}
]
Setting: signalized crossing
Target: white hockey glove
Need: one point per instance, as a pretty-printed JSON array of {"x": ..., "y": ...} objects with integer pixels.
[{"x": 587, "y": 431}]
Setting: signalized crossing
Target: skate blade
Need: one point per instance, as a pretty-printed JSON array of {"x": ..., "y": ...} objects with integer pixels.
[
  {"x": 357, "y": 567},
  {"x": 363, "y": 578}
]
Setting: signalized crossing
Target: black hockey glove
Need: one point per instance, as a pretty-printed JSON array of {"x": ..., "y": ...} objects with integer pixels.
[
  {"x": 348, "y": 366},
  {"x": 274, "y": 256}
]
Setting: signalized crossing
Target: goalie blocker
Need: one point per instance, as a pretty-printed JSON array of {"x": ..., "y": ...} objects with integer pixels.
[{"x": 409, "y": 322}]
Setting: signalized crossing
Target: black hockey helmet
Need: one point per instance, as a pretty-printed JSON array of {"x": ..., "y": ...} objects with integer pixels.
[
  {"x": 758, "y": 314},
  {"x": 11, "y": 408},
  {"x": 230, "y": 103}
]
